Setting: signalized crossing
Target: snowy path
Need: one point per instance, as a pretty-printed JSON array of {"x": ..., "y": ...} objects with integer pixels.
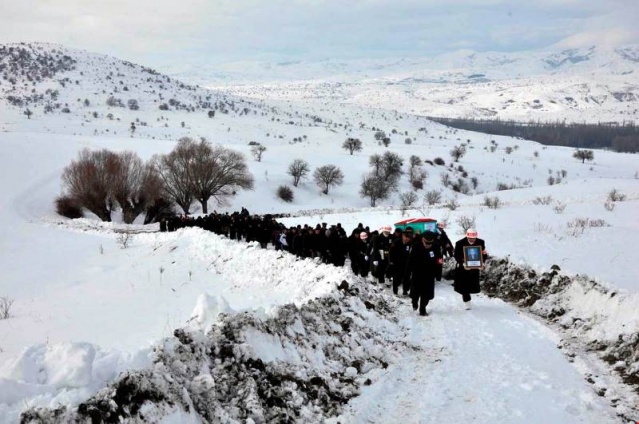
[{"x": 487, "y": 365}]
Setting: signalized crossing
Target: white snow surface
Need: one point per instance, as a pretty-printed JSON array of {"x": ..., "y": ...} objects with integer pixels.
[{"x": 86, "y": 310}]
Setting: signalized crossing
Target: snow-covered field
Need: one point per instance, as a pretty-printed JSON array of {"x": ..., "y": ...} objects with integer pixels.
[{"x": 85, "y": 310}]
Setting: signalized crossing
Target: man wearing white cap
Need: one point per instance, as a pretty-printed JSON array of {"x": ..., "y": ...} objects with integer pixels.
[{"x": 467, "y": 280}]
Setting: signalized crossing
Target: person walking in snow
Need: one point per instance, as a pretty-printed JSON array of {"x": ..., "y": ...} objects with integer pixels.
[
  {"x": 363, "y": 254},
  {"x": 398, "y": 257},
  {"x": 467, "y": 280},
  {"x": 380, "y": 252},
  {"x": 423, "y": 260}
]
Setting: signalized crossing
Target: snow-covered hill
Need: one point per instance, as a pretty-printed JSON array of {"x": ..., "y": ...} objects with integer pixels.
[
  {"x": 588, "y": 84},
  {"x": 86, "y": 310}
]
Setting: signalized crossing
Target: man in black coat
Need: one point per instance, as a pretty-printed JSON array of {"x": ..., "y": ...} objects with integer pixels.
[
  {"x": 422, "y": 269},
  {"x": 467, "y": 280},
  {"x": 398, "y": 257}
]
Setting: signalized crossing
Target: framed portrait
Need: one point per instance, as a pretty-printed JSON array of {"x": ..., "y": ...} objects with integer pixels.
[{"x": 473, "y": 257}]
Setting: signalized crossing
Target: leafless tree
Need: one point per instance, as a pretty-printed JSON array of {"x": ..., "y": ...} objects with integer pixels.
[
  {"x": 352, "y": 145},
  {"x": 175, "y": 171},
  {"x": 375, "y": 187},
  {"x": 198, "y": 171},
  {"x": 407, "y": 200},
  {"x": 88, "y": 180},
  {"x": 457, "y": 152},
  {"x": 257, "y": 152},
  {"x": 433, "y": 197},
  {"x": 327, "y": 176},
  {"x": 135, "y": 185},
  {"x": 298, "y": 169}
]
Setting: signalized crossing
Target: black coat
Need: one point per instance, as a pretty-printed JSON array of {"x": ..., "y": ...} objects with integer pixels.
[
  {"x": 422, "y": 269},
  {"x": 467, "y": 280},
  {"x": 398, "y": 256}
]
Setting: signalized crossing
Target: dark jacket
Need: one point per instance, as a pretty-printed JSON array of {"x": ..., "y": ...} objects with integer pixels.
[
  {"x": 467, "y": 280},
  {"x": 422, "y": 269},
  {"x": 398, "y": 256}
]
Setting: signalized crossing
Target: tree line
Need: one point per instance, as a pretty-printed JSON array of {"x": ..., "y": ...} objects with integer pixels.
[{"x": 618, "y": 137}]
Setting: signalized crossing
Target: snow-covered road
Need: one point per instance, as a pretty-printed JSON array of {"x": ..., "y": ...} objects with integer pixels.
[{"x": 488, "y": 365}]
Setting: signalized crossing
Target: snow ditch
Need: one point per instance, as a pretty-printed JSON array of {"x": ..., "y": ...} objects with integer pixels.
[
  {"x": 602, "y": 320},
  {"x": 301, "y": 364}
]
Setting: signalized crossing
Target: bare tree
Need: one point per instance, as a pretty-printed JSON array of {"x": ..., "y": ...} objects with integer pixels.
[
  {"x": 352, "y": 145},
  {"x": 88, "y": 180},
  {"x": 584, "y": 155},
  {"x": 135, "y": 185},
  {"x": 376, "y": 162},
  {"x": 257, "y": 152},
  {"x": 407, "y": 200},
  {"x": 298, "y": 169},
  {"x": 199, "y": 171},
  {"x": 380, "y": 135},
  {"x": 218, "y": 172},
  {"x": 391, "y": 168},
  {"x": 375, "y": 187},
  {"x": 327, "y": 176},
  {"x": 175, "y": 170},
  {"x": 416, "y": 175},
  {"x": 457, "y": 152}
]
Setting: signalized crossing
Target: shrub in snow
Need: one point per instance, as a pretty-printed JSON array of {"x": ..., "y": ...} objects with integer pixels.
[
  {"x": 542, "y": 200},
  {"x": 5, "y": 307},
  {"x": 559, "y": 208},
  {"x": 433, "y": 197},
  {"x": 439, "y": 161},
  {"x": 609, "y": 206},
  {"x": 123, "y": 240},
  {"x": 68, "y": 207},
  {"x": 465, "y": 222},
  {"x": 285, "y": 193},
  {"x": 616, "y": 196},
  {"x": 492, "y": 202},
  {"x": 452, "y": 204},
  {"x": 407, "y": 200},
  {"x": 457, "y": 152}
]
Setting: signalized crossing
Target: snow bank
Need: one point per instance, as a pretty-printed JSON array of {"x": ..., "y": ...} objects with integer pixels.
[
  {"x": 301, "y": 364},
  {"x": 60, "y": 373}
]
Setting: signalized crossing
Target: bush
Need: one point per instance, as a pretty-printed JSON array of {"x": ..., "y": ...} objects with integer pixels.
[
  {"x": 610, "y": 206},
  {"x": 616, "y": 196},
  {"x": 5, "y": 307},
  {"x": 433, "y": 197},
  {"x": 417, "y": 184},
  {"x": 492, "y": 202},
  {"x": 545, "y": 200},
  {"x": 452, "y": 204},
  {"x": 559, "y": 208},
  {"x": 439, "y": 161},
  {"x": 68, "y": 207},
  {"x": 285, "y": 193},
  {"x": 465, "y": 222}
]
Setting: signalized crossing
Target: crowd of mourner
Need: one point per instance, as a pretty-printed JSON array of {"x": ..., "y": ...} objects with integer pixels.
[{"x": 407, "y": 259}]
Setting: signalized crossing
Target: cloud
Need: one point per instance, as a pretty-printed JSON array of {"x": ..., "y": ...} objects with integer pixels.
[{"x": 158, "y": 32}]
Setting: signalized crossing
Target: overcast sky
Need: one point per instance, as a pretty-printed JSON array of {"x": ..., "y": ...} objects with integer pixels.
[{"x": 159, "y": 32}]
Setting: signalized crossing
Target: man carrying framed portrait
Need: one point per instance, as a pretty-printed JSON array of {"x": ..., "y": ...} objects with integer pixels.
[{"x": 470, "y": 254}]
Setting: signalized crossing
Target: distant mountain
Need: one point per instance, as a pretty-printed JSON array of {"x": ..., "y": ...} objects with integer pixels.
[{"x": 586, "y": 84}]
